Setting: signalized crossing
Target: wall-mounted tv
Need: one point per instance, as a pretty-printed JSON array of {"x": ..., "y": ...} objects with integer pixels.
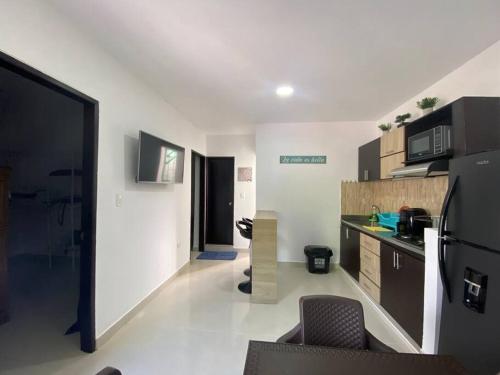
[{"x": 159, "y": 161}]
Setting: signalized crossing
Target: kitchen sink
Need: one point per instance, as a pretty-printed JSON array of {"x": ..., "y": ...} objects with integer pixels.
[{"x": 376, "y": 228}]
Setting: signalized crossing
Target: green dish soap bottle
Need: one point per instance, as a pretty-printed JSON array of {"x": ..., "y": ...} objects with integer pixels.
[{"x": 374, "y": 218}]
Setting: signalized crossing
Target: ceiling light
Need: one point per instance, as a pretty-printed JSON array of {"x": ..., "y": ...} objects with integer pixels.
[{"x": 284, "y": 91}]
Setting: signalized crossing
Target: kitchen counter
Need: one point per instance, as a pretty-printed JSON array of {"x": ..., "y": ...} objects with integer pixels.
[
  {"x": 357, "y": 222},
  {"x": 264, "y": 257}
]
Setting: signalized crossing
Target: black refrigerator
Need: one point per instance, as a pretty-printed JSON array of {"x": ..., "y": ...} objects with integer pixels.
[{"x": 469, "y": 262}]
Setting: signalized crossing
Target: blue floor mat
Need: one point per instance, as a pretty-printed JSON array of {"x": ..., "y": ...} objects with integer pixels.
[{"x": 217, "y": 255}]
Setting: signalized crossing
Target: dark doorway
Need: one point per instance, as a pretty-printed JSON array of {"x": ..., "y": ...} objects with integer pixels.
[
  {"x": 220, "y": 198},
  {"x": 197, "y": 202},
  {"x": 85, "y": 236}
]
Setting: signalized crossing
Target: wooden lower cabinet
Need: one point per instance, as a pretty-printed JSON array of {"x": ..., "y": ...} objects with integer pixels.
[
  {"x": 402, "y": 289},
  {"x": 370, "y": 265},
  {"x": 370, "y": 243},
  {"x": 349, "y": 250},
  {"x": 369, "y": 258},
  {"x": 389, "y": 275},
  {"x": 369, "y": 287}
]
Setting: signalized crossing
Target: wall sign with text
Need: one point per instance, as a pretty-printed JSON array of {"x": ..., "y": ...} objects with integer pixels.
[{"x": 303, "y": 159}]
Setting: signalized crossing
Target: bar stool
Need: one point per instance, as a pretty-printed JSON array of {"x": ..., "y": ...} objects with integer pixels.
[
  {"x": 245, "y": 229},
  {"x": 249, "y": 223}
]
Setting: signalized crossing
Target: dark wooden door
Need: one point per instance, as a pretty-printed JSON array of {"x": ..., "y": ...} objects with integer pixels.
[
  {"x": 349, "y": 250},
  {"x": 4, "y": 301},
  {"x": 197, "y": 201},
  {"x": 369, "y": 161},
  {"x": 220, "y": 196},
  {"x": 402, "y": 290}
]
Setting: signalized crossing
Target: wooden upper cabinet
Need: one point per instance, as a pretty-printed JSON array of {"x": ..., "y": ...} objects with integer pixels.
[
  {"x": 369, "y": 161},
  {"x": 392, "y": 142},
  {"x": 388, "y": 163}
]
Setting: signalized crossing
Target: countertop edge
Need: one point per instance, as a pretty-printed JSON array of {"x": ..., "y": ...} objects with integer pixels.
[{"x": 413, "y": 251}]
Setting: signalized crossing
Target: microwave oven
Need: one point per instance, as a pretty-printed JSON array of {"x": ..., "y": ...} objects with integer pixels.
[{"x": 430, "y": 144}]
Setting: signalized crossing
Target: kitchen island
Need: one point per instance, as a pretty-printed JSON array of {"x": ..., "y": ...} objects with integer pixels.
[{"x": 264, "y": 257}]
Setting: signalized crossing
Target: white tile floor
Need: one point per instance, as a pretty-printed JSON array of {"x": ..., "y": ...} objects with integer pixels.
[
  {"x": 201, "y": 324},
  {"x": 43, "y": 305}
]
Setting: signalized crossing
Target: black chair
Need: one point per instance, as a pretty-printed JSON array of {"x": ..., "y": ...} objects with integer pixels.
[
  {"x": 249, "y": 223},
  {"x": 109, "y": 371},
  {"x": 245, "y": 229},
  {"x": 334, "y": 322}
]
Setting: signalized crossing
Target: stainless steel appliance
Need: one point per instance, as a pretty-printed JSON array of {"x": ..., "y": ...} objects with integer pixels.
[
  {"x": 426, "y": 169},
  {"x": 469, "y": 262},
  {"x": 430, "y": 144}
]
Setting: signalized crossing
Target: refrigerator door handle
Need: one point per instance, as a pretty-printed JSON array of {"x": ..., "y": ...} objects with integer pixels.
[{"x": 442, "y": 238}]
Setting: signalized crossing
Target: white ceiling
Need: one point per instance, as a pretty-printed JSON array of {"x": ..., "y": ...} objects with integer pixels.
[{"x": 219, "y": 61}]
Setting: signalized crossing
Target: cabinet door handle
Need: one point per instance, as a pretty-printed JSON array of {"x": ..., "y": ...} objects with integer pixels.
[
  {"x": 366, "y": 174},
  {"x": 393, "y": 259},
  {"x": 397, "y": 261},
  {"x": 347, "y": 233}
]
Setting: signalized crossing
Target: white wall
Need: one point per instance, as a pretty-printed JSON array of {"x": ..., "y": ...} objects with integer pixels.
[
  {"x": 307, "y": 197},
  {"x": 242, "y": 147},
  {"x": 480, "y": 76},
  {"x": 145, "y": 241}
]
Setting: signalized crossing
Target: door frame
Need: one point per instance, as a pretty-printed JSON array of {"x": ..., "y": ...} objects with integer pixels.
[
  {"x": 86, "y": 304},
  {"x": 202, "y": 218},
  {"x": 208, "y": 192}
]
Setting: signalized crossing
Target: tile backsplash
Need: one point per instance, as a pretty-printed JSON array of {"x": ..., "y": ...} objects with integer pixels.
[{"x": 390, "y": 195}]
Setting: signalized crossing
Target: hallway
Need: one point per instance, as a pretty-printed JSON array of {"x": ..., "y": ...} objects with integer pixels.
[{"x": 200, "y": 323}]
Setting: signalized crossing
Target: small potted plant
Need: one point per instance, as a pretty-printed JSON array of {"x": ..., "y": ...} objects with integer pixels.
[
  {"x": 401, "y": 119},
  {"x": 427, "y": 104},
  {"x": 385, "y": 127}
]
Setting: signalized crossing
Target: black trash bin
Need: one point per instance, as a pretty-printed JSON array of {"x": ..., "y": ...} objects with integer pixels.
[{"x": 318, "y": 258}]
